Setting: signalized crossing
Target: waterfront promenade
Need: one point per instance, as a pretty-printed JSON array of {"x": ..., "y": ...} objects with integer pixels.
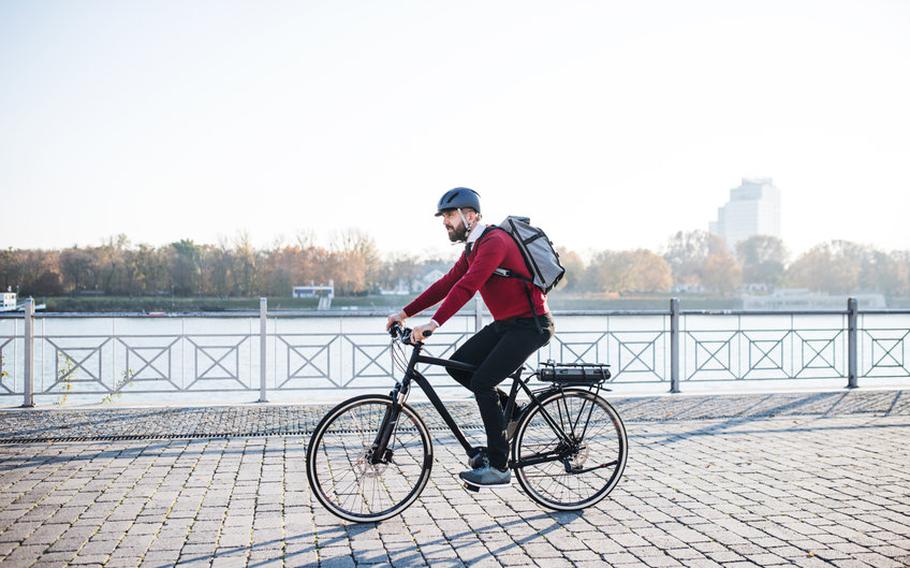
[{"x": 804, "y": 479}]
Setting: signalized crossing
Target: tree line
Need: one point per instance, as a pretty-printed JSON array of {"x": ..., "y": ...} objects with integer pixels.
[
  {"x": 695, "y": 261},
  {"x": 701, "y": 262}
]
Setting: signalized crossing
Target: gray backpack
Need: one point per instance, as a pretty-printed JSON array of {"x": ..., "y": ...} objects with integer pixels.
[{"x": 540, "y": 257}]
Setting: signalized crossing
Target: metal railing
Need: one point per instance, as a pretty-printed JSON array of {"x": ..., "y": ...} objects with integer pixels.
[{"x": 56, "y": 354}]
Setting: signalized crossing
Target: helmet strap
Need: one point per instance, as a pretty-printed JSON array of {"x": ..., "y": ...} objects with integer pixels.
[{"x": 467, "y": 226}]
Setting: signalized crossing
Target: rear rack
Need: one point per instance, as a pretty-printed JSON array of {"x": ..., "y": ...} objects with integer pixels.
[{"x": 577, "y": 373}]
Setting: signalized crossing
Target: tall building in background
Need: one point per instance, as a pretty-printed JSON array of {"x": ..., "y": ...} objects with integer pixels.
[{"x": 753, "y": 209}]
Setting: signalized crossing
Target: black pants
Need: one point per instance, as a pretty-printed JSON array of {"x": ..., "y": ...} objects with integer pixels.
[{"x": 497, "y": 350}]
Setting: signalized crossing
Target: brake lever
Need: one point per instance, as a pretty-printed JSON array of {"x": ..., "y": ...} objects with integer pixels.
[{"x": 404, "y": 334}]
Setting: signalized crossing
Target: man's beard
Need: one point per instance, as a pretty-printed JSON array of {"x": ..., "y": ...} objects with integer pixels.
[{"x": 459, "y": 234}]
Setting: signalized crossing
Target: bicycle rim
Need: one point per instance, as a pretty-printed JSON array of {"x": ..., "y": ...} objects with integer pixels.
[
  {"x": 595, "y": 469},
  {"x": 340, "y": 475}
]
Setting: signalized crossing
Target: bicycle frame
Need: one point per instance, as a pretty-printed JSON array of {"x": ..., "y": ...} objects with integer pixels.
[{"x": 400, "y": 392}]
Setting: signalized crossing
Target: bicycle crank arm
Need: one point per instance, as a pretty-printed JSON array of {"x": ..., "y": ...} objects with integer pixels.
[{"x": 539, "y": 459}]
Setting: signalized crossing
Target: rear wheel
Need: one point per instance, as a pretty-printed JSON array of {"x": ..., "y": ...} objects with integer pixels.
[
  {"x": 340, "y": 465},
  {"x": 570, "y": 472}
]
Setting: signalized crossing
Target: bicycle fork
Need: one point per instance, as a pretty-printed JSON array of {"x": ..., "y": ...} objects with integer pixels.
[{"x": 379, "y": 451}]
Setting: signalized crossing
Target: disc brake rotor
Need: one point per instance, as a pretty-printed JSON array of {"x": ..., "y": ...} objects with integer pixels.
[{"x": 363, "y": 468}]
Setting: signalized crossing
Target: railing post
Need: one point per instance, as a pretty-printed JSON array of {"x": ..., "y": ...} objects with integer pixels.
[
  {"x": 29, "y": 379},
  {"x": 478, "y": 314},
  {"x": 263, "y": 331},
  {"x": 852, "y": 366},
  {"x": 674, "y": 345}
]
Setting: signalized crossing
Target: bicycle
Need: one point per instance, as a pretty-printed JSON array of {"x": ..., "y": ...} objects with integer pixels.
[{"x": 370, "y": 457}]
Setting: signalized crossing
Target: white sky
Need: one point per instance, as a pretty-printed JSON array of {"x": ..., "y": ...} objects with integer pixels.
[{"x": 611, "y": 124}]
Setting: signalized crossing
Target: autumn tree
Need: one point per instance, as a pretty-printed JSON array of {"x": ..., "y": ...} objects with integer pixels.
[
  {"x": 574, "y": 277},
  {"x": 398, "y": 269},
  {"x": 286, "y": 266},
  {"x": 897, "y": 282},
  {"x": 699, "y": 258},
  {"x": 79, "y": 268},
  {"x": 629, "y": 271},
  {"x": 185, "y": 267},
  {"x": 10, "y": 269},
  {"x": 885, "y": 273},
  {"x": 720, "y": 273},
  {"x": 833, "y": 267},
  {"x": 148, "y": 270},
  {"x": 686, "y": 254},
  {"x": 763, "y": 259},
  {"x": 110, "y": 258},
  {"x": 37, "y": 273},
  {"x": 354, "y": 262},
  {"x": 243, "y": 266}
]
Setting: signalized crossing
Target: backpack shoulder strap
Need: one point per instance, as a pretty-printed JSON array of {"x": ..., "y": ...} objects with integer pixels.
[
  {"x": 501, "y": 271},
  {"x": 488, "y": 230}
]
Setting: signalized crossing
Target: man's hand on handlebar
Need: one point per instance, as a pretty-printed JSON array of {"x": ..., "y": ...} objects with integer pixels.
[
  {"x": 411, "y": 336},
  {"x": 422, "y": 331},
  {"x": 399, "y": 317}
]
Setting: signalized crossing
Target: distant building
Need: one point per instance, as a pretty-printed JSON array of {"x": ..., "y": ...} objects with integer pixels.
[
  {"x": 324, "y": 293},
  {"x": 9, "y": 300},
  {"x": 683, "y": 288},
  {"x": 753, "y": 209},
  {"x": 315, "y": 291}
]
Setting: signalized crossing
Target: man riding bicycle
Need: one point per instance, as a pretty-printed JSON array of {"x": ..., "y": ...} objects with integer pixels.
[{"x": 522, "y": 322}]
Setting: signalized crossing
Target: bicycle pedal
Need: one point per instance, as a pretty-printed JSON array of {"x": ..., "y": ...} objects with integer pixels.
[{"x": 470, "y": 487}]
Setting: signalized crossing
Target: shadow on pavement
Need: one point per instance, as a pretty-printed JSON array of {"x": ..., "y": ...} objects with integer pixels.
[{"x": 345, "y": 532}]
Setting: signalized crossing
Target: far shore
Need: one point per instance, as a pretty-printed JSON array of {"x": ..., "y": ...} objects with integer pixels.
[{"x": 557, "y": 301}]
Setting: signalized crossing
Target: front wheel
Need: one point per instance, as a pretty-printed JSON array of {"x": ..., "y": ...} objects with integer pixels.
[
  {"x": 580, "y": 466},
  {"x": 345, "y": 476}
]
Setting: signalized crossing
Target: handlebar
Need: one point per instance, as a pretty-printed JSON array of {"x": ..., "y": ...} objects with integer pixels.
[{"x": 403, "y": 333}]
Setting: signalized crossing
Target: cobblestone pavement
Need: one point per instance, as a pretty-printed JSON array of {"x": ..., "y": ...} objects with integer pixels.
[{"x": 741, "y": 488}]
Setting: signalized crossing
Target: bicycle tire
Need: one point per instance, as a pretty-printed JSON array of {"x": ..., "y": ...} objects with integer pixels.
[
  {"x": 549, "y": 484},
  {"x": 338, "y": 447}
]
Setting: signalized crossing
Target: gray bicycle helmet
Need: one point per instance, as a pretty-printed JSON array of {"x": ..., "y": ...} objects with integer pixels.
[{"x": 459, "y": 198}]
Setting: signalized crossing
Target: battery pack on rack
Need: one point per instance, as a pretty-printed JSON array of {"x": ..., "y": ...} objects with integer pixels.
[{"x": 583, "y": 373}]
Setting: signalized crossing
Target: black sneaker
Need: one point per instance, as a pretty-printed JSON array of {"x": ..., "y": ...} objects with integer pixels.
[{"x": 487, "y": 476}]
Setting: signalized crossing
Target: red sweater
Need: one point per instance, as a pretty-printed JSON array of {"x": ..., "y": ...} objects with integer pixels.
[{"x": 505, "y": 297}]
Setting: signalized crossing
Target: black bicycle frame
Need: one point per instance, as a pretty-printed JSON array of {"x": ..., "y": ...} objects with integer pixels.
[{"x": 390, "y": 420}]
